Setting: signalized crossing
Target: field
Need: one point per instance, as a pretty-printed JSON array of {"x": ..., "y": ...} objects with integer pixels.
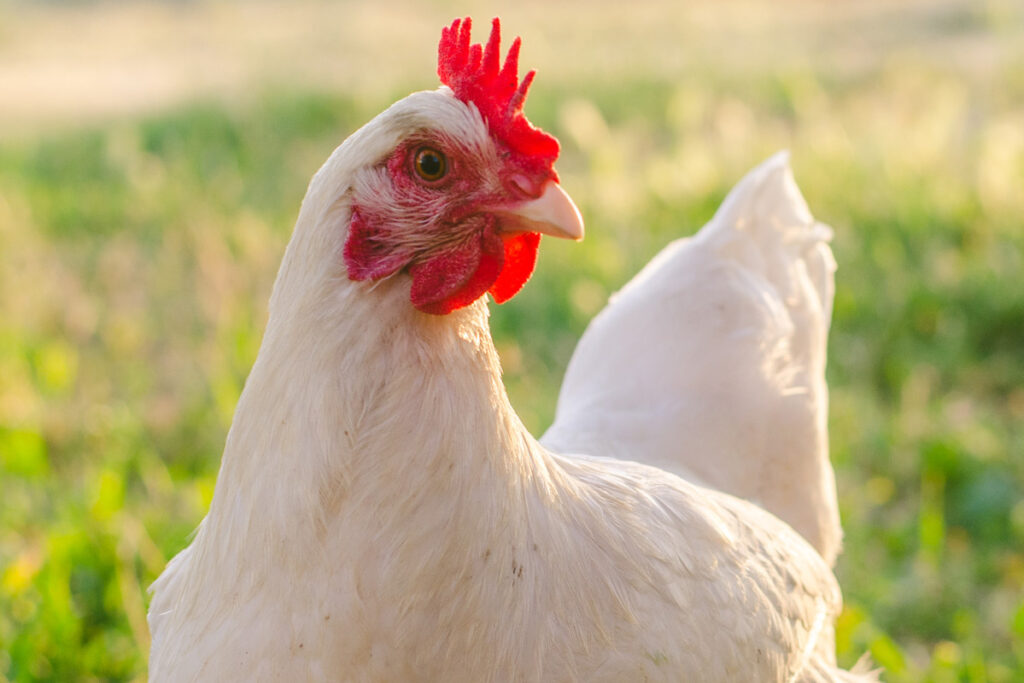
[{"x": 144, "y": 210}]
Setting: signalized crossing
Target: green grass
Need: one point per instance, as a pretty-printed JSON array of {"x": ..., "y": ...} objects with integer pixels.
[{"x": 138, "y": 256}]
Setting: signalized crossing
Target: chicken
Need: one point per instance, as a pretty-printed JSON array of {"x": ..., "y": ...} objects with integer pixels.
[
  {"x": 381, "y": 513},
  {"x": 724, "y": 337}
]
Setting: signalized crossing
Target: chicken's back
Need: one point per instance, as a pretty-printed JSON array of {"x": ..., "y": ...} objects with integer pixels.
[{"x": 710, "y": 362}]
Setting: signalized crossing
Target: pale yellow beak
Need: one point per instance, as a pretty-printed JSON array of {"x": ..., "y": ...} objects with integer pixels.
[{"x": 552, "y": 213}]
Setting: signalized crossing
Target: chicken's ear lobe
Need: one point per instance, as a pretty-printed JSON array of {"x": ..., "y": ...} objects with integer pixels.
[{"x": 367, "y": 257}]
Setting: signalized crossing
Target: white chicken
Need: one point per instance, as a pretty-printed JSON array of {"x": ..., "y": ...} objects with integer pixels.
[{"x": 381, "y": 513}]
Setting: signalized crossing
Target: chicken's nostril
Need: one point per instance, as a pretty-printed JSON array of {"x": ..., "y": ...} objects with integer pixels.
[{"x": 521, "y": 184}]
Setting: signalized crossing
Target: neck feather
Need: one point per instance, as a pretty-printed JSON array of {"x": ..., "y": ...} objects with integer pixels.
[{"x": 366, "y": 404}]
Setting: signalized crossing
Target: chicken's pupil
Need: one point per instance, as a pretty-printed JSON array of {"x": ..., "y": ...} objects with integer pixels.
[{"x": 429, "y": 164}]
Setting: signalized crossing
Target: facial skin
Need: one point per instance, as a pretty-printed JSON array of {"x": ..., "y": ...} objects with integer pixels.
[{"x": 461, "y": 214}]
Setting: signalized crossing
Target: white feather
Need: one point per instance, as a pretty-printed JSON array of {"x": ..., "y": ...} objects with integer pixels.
[
  {"x": 710, "y": 363},
  {"x": 381, "y": 513}
]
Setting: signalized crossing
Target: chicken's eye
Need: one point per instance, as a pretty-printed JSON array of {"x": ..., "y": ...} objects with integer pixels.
[{"x": 430, "y": 164}]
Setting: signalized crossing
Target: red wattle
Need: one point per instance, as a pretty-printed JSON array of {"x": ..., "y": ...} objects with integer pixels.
[
  {"x": 455, "y": 278},
  {"x": 452, "y": 278},
  {"x": 520, "y": 260}
]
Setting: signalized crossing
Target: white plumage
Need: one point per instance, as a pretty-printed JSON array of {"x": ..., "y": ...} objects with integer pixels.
[
  {"x": 382, "y": 514},
  {"x": 711, "y": 363}
]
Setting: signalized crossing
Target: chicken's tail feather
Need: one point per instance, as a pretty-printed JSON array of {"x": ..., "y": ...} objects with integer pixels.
[
  {"x": 710, "y": 362},
  {"x": 766, "y": 227},
  {"x": 765, "y": 224}
]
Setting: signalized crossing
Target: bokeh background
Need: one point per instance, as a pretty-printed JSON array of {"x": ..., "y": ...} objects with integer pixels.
[{"x": 152, "y": 161}]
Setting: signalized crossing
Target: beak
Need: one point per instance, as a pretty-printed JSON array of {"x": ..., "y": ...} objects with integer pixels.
[{"x": 552, "y": 213}]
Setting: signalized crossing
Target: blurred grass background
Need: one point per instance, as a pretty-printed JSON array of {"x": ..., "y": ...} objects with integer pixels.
[{"x": 152, "y": 161}]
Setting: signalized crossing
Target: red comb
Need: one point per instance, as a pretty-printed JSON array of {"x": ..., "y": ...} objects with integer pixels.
[{"x": 471, "y": 71}]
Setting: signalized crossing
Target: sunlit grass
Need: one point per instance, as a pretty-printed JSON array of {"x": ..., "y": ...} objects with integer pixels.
[{"x": 137, "y": 258}]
